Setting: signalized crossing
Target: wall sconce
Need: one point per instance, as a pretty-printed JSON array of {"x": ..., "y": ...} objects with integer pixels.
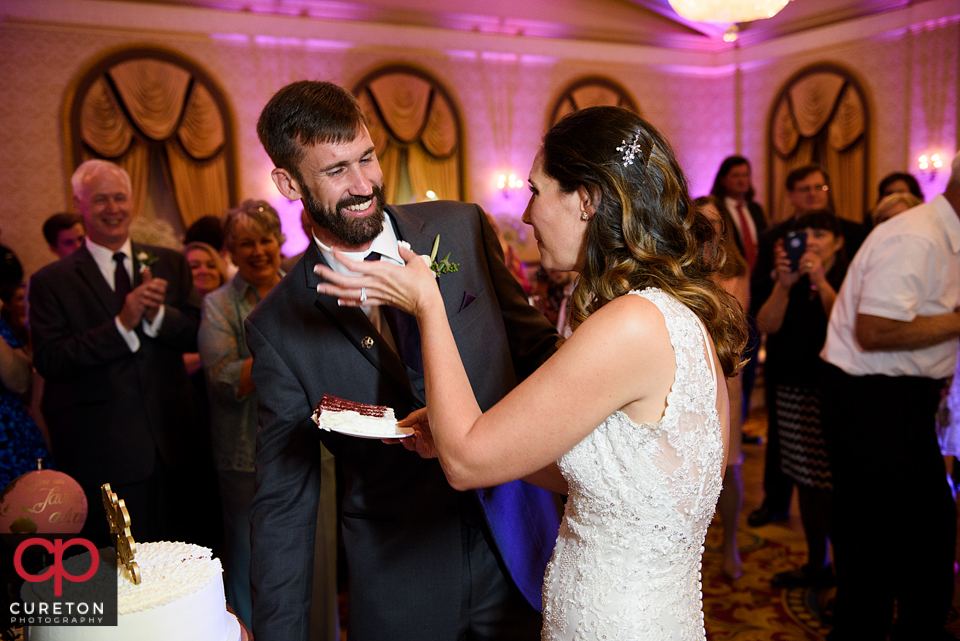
[
  {"x": 930, "y": 164},
  {"x": 509, "y": 182}
]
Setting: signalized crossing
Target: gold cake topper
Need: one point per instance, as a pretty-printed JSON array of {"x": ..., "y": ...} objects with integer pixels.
[{"x": 119, "y": 519}]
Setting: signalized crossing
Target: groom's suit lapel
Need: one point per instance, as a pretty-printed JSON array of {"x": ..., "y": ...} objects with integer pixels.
[
  {"x": 360, "y": 332},
  {"x": 413, "y": 229}
]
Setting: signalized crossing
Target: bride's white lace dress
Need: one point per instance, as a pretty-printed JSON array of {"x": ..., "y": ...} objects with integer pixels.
[{"x": 627, "y": 562}]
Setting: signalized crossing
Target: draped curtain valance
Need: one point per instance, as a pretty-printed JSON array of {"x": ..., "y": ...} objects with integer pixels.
[
  {"x": 145, "y": 103},
  {"x": 415, "y": 129},
  {"x": 595, "y": 91},
  {"x": 820, "y": 117}
]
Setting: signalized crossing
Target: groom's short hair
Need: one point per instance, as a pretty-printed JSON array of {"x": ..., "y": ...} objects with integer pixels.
[{"x": 306, "y": 113}]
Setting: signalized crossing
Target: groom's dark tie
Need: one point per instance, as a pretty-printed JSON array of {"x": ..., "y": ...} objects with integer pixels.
[
  {"x": 121, "y": 279},
  {"x": 405, "y": 332}
]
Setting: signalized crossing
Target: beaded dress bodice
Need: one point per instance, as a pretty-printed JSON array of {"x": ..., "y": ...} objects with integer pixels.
[{"x": 627, "y": 562}]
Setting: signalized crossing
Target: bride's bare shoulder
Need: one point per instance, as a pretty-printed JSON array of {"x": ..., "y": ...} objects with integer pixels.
[{"x": 631, "y": 321}]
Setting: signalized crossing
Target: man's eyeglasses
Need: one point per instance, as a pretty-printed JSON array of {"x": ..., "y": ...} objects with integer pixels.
[{"x": 807, "y": 189}]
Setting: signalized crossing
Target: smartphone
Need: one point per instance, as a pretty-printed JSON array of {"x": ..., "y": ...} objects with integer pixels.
[{"x": 795, "y": 245}]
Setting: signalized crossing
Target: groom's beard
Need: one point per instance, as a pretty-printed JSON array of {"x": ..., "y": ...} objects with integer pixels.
[{"x": 349, "y": 229}]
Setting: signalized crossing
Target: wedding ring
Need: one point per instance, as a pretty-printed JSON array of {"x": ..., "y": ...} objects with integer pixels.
[{"x": 363, "y": 294}]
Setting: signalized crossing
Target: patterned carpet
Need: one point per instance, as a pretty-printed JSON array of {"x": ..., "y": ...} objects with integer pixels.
[{"x": 748, "y": 609}]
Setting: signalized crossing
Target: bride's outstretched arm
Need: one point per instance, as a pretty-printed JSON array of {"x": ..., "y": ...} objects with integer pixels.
[
  {"x": 549, "y": 478},
  {"x": 620, "y": 358}
]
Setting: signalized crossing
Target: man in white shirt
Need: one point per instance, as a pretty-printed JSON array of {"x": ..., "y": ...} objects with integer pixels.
[
  {"x": 110, "y": 323},
  {"x": 892, "y": 339}
]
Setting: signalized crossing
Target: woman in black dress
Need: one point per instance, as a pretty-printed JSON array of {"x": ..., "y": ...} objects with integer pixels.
[{"x": 794, "y": 316}]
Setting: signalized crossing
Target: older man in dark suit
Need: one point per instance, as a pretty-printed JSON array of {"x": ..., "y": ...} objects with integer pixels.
[
  {"x": 110, "y": 323},
  {"x": 425, "y": 561}
]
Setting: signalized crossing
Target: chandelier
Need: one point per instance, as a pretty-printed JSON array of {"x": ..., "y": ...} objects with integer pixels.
[{"x": 727, "y": 11}]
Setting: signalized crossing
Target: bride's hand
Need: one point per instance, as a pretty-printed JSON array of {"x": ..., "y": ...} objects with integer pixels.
[
  {"x": 408, "y": 288},
  {"x": 422, "y": 440}
]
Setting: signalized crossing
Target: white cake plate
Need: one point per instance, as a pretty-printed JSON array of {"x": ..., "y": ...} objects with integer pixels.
[
  {"x": 401, "y": 432},
  {"x": 233, "y": 628}
]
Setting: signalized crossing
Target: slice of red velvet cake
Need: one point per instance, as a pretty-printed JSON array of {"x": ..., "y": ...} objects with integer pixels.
[{"x": 339, "y": 415}]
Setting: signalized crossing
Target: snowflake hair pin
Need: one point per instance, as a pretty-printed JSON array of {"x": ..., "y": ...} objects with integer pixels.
[{"x": 631, "y": 150}]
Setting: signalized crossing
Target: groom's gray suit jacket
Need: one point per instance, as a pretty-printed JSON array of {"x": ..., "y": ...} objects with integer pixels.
[{"x": 401, "y": 520}]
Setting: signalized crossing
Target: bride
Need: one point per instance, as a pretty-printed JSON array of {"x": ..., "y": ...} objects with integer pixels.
[{"x": 630, "y": 417}]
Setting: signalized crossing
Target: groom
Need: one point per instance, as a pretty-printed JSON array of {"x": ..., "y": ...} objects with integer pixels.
[{"x": 425, "y": 562}]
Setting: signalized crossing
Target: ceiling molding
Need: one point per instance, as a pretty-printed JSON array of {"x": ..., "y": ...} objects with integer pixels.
[{"x": 689, "y": 54}]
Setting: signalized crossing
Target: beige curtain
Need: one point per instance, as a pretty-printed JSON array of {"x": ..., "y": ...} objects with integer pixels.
[
  {"x": 403, "y": 100},
  {"x": 844, "y": 157},
  {"x": 429, "y": 173},
  {"x": 411, "y": 121},
  {"x": 564, "y": 108},
  {"x": 102, "y": 124},
  {"x": 440, "y": 135},
  {"x": 153, "y": 93},
  {"x": 200, "y": 187},
  {"x": 166, "y": 105},
  {"x": 847, "y": 169},
  {"x": 813, "y": 98},
  {"x": 390, "y": 159},
  {"x": 803, "y": 155},
  {"x": 595, "y": 96},
  {"x": 201, "y": 132},
  {"x": 785, "y": 134},
  {"x": 820, "y": 116},
  {"x": 378, "y": 133}
]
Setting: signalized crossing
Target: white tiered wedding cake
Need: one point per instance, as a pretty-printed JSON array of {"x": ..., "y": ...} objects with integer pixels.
[{"x": 180, "y": 597}]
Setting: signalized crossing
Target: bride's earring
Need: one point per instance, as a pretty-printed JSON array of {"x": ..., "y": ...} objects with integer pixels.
[{"x": 584, "y": 216}]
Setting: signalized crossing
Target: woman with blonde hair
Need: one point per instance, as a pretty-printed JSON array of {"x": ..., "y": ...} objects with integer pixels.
[
  {"x": 206, "y": 266},
  {"x": 892, "y": 205},
  {"x": 208, "y": 273},
  {"x": 629, "y": 417}
]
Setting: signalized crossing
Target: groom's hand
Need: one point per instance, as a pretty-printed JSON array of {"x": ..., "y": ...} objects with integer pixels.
[{"x": 421, "y": 441}]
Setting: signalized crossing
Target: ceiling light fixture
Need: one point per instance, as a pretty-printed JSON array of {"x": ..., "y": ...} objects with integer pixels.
[{"x": 727, "y": 11}]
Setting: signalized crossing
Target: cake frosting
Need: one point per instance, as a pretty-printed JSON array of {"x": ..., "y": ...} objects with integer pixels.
[
  {"x": 339, "y": 415},
  {"x": 180, "y": 597}
]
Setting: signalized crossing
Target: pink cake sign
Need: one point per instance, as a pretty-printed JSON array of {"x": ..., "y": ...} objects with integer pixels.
[{"x": 44, "y": 501}]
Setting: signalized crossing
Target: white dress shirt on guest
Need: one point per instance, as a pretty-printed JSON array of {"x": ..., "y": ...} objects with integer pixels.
[
  {"x": 104, "y": 259},
  {"x": 909, "y": 266}
]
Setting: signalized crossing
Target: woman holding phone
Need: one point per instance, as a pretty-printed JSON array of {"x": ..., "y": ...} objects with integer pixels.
[{"x": 794, "y": 317}]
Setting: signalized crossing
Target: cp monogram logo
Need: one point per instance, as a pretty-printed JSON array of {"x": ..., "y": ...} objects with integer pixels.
[{"x": 56, "y": 570}]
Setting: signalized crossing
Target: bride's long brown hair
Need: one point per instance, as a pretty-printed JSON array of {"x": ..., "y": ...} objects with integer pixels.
[{"x": 646, "y": 231}]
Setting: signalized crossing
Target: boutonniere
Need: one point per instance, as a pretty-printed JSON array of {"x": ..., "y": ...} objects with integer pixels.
[
  {"x": 146, "y": 259},
  {"x": 444, "y": 266}
]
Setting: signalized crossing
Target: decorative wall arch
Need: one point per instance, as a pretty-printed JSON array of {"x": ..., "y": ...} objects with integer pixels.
[
  {"x": 139, "y": 105},
  {"x": 591, "y": 91},
  {"x": 820, "y": 116},
  {"x": 416, "y": 128}
]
